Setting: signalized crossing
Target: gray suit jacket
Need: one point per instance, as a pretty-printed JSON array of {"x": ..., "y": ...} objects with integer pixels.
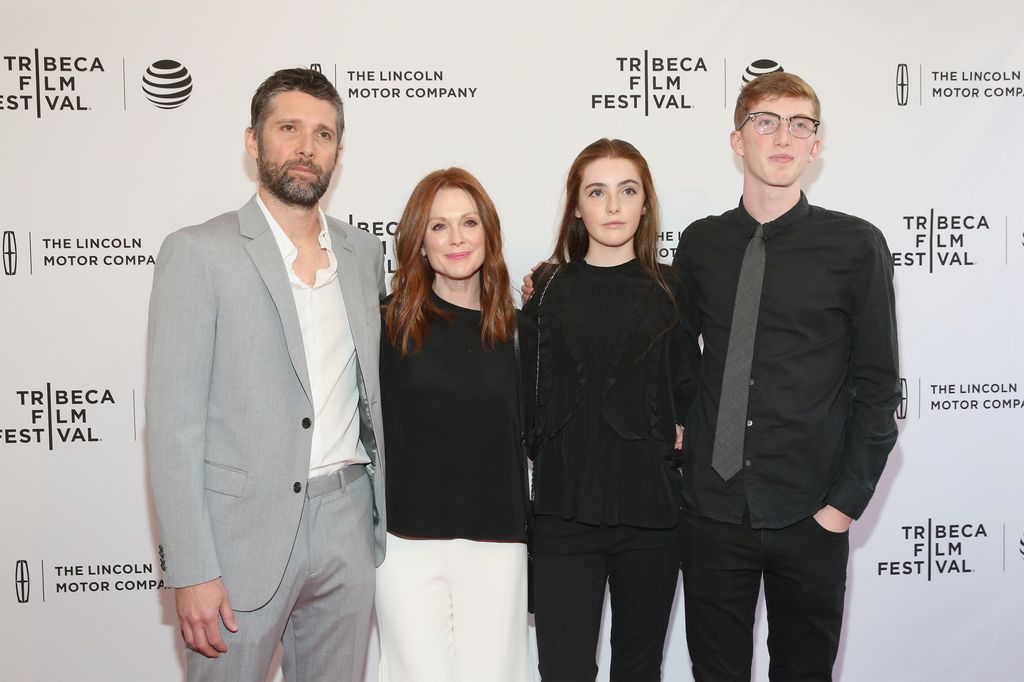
[{"x": 228, "y": 392}]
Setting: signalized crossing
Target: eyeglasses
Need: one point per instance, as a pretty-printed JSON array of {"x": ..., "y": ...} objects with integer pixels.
[{"x": 766, "y": 123}]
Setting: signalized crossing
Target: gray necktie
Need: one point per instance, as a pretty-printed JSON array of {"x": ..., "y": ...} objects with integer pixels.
[{"x": 727, "y": 457}]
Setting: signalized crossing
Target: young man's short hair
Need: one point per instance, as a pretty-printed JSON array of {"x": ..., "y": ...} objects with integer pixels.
[{"x": 773, "y": 86}]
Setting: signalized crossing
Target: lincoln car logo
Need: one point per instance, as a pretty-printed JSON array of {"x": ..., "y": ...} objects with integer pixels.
[
  {"x": 901, "y": 411},
  {"x": 10, "y": 253},
  {"x": 902, "y": 85},
  {"x": 21, "y": 580}
]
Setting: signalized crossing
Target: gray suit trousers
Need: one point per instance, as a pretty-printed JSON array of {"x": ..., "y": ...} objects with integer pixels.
[{"x": 321, "y": 611}]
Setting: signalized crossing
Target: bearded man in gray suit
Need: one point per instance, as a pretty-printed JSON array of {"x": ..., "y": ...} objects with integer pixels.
[{"x": 263, "y": 402}]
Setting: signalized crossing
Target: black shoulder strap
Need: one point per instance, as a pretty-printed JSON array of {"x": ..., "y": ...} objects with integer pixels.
[
  {"x": 540, "y": 304},
  {"x": 521, "y": 428}
]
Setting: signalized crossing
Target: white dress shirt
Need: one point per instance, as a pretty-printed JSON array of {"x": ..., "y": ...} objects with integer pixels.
[{"x": 330, "y": 356}]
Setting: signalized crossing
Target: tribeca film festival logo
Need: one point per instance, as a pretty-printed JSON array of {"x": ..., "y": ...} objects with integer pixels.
[
  {"x": 936, "y": 241},
  {"x": 957, "y": 84},
  {"x": 167, "y": 84},
  {"x": 83, "y": 578},
  {"x": 46, "y": 83},
  {"x": 383, "y": 230},
  {"x": 936, "y": 549},
  {"x": 404, "y": 83},
  {"x": 57, "y": 416},
  {"x": 652, "y": 83}
]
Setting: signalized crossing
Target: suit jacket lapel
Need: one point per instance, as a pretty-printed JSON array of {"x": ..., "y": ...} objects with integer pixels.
[
  {"x": 351, "y": 288},
  {"x": 359, "y": 298},
  {"x": 266, "y": 256}
]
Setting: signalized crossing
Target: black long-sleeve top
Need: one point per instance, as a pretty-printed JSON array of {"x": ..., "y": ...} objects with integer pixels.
[
  {"x": 825, "y": 378},
  {"x": 451, "y": 433},
  {"x": 607, "y": 396}
]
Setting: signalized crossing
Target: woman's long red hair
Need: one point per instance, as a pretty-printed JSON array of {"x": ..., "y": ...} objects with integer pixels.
[{"x": 411, "y": 309}]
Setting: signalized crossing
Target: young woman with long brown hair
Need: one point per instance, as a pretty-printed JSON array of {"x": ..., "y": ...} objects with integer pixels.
[
  {"x": 607, "y": 432},
  {"x": 451, "y": 593}
]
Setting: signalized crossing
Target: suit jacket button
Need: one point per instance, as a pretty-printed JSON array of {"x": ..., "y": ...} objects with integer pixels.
[
  {"x": 297, "y": 487},
  {"x": 306, "y": 422}
]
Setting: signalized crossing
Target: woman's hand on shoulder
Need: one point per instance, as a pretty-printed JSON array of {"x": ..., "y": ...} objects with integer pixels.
[{"x": 528, "y": 290}]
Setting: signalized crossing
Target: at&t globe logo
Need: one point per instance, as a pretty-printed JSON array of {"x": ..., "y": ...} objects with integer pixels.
[
  {"x": 167, "y": 84},
  {"x": 760, "y": 67}
]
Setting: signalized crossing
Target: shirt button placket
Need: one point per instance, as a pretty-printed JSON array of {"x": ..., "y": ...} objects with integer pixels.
[{"x": 750, "y": 422}]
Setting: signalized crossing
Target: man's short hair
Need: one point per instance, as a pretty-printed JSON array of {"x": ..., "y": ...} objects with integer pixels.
[
  {"x": 311, "y": 82},
  {"x": 773, "y": 86}
]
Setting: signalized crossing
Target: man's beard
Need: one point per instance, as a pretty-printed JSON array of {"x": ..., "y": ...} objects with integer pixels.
[{"x": 292, "y": 191}]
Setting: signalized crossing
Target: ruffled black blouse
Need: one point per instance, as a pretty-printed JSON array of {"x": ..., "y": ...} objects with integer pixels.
[{"x": 613, "y": 365}]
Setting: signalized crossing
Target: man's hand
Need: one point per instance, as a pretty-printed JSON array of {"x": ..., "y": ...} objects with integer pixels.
[
  {"x": 200, "y": 609},
  {"x": 679, "y": 437},
  {"x": 833, "y": 520}
]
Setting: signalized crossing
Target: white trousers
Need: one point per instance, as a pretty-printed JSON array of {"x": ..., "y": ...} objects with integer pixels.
[{"x": 453, "y": 611}]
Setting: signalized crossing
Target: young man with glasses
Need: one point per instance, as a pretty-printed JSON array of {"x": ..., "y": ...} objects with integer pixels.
[{"x": 793, "y": 420}]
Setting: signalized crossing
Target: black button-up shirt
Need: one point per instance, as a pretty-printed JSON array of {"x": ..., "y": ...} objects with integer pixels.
[{"x": 825, "y": 379}]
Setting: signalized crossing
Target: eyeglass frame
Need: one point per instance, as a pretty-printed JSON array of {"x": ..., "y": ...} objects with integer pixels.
[{"x": 789, "y": 123}]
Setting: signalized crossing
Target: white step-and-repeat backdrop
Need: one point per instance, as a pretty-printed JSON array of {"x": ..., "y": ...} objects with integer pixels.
[{"x": 923, "y": 109}]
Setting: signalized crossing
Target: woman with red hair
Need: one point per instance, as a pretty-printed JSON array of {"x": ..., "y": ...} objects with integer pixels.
[{"x": 451, "y": 593}]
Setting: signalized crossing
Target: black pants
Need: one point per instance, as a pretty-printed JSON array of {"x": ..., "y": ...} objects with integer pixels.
[
  {"x": 804, "y": 572},
  {"x": 572, "y": 563}
]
